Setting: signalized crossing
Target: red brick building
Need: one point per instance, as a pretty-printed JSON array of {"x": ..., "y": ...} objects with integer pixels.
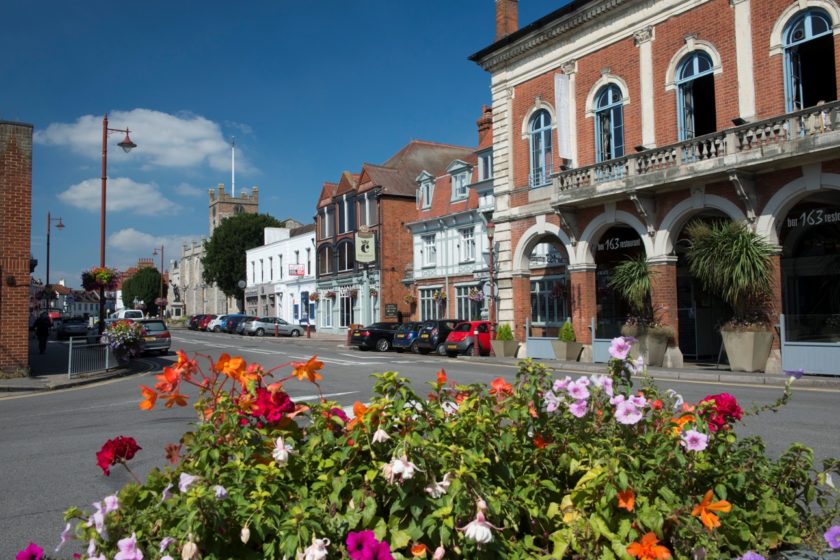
[
  {"x": 616, "y": 122},
  {"x": 15, "y": 222}
]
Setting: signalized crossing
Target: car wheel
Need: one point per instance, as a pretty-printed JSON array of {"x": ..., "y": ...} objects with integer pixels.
[
  {"x": 217, "y": 329},
  {"x": 260, "y": 332},
  {"x": 414, "y": 349},
  {"x": 295, "y": 332},
  {"x": 383, "y": 345},
  {"x": 468, "y": 351},
  {"x": 441, "y": 349}
]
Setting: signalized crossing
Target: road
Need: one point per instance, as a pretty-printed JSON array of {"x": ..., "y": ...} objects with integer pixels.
[{"x": 49, "y": 440}]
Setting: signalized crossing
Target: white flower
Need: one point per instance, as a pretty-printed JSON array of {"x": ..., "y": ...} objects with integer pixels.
[
  {"x": 281, "y": 452},
  {"x": 678, "y": 400},
  {"x": 829, "y": 481},
  {"x": 479, "y": 530},
  {"x": 380, "y": 436},
  {"x": 439, "y": 552},
  {"x": 190, "y": 550},
  {"x": 438, "y": 489},
  {"x": 316, "y": 551},
  {"x": 400, "y": 468},
  {"x": 185, "y": 481},
  {"x": 66, "y": 534},
  {"x": 220, "y": 492},
  {"x": 245, "y": 535}
]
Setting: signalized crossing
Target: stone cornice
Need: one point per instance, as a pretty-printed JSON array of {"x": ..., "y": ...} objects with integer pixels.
[{"x": 547, "y": 33}]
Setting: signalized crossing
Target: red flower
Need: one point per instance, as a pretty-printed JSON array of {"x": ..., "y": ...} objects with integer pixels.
[
  {"x": 272, "y": 406},
  {"x": 725, "y": 410},
  {"x": 117, "y": 450}
]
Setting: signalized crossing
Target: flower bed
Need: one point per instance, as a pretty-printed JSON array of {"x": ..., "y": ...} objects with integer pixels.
[{"x": 540, "y": 468}]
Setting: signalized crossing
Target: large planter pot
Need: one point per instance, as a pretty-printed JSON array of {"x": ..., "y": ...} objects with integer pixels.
[
  {"x": 504, "y": 348},
  {"x": 566, "y": 351},
  {"x": 747, "y": 350},
  {"x": 651, "y": 344}
]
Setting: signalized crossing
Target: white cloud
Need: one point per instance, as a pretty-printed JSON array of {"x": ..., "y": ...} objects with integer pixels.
[
  {"x": 185, "y": 189},
  {"x": 184, "y": 140},
  {"x": 123, "y": 194},
  {"x": 140, "y": 243}
]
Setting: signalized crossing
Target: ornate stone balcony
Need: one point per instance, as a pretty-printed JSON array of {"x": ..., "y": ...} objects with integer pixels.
[{"x": 801, "y": 137}]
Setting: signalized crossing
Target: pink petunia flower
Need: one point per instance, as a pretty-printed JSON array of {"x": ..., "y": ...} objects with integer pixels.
[
  {"x": 31, "y": 552},
  {"x": 561, "y": 384},
  {"x": 551, "y": 402},
  {"x": 627, "y": 413},
  {"x": 603, "y": 382},
  {"x": 619, "y": 348},
  {"x": 165, "y": 542},
  {"x": 578, "y": 390},
  {"x": 578, "y": 408},
  {"x": 128, "y": 549},
  {"x": 694, "y": 440},
  {"x": 112, "y": 503},
  {"x": 185, "y": 481}
]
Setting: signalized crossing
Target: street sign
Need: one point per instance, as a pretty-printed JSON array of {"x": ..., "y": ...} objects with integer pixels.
[
  {"x": 365, "y": 247},
  {"x": 390, "y": 309}
]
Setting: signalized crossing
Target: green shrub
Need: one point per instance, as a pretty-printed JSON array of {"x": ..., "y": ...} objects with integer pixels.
[
  {"x": 540, "y": 468},
  {"x": 504, "y": 332},
  {"x": 567, "y": 332}
]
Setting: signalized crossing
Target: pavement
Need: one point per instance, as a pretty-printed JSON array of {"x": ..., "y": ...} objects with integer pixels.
[{"x": 49, "y": 371}]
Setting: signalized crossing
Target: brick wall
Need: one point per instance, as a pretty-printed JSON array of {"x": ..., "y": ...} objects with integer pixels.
[
  {"x": 15, "y": 226},
  {"x": 396, "y": 251}
]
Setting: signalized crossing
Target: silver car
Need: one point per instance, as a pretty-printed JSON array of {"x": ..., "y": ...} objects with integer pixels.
[{"x": 270, "y": 326}]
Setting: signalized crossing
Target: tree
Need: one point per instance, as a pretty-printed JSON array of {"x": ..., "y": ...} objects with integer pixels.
[
  {"x": 144, "y": 286},
  {"x": 224, "y": 252}
]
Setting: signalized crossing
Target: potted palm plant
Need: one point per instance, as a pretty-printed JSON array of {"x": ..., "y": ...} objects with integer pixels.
[
  {"x": 566, "y": 347},
  {"x": 504, "y": 345},
  {"x": 632, "y": 280},
  {"x": 733, "y": 262}
]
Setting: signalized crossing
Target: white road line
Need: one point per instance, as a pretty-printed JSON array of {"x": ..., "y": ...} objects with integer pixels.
[{"x": 316, "y": 397}]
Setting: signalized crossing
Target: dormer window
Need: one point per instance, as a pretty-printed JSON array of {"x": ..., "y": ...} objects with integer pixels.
[
  {"x": 426, "y": 190},
  {"x": 460, "y": 172}
]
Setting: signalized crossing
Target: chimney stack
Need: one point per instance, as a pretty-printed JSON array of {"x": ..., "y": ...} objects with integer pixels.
[
  {"x": 485, "y": 128},
  {"x": 507, "y": 17}
]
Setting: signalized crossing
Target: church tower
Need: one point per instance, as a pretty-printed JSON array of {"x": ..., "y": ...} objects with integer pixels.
[{"x": 223, "y": 205}]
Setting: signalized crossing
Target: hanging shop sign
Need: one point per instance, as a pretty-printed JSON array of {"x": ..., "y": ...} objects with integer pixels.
[
  {"x": 365, "y": 246},
  {"x": 297, "y": 270}
]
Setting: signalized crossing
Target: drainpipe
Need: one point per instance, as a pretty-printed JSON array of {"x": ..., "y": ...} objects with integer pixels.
[{"x": 445, "y": 267}]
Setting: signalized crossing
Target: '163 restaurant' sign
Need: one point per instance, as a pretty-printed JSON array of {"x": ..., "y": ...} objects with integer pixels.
[{"x": 812, "y": 217}]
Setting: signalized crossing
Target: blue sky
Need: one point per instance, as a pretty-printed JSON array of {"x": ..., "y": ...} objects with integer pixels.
[{"x": 308, "y": 88}]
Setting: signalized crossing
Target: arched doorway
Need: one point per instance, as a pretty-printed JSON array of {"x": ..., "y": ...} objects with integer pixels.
[
  {"x": 550, "y": 307},
  {"x": 700, "y": 314},
  {"x": 810, "y": 239},
  {"x": 616, "y": 245}
]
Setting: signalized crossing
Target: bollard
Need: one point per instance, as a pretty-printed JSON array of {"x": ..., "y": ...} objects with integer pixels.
[
  {"x": 476, "y": 349},
  {"x": 308, "y": 335},
  {"x": 276, "y": 329}
]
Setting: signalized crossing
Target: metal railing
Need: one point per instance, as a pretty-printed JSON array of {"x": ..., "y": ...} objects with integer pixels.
[
  {"x": 743, "y": 139},
  {"x": 541, "y": 176},
  {"x": 83, "y": 357}
]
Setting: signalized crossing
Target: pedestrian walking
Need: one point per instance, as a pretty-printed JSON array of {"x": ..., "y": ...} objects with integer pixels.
[{"x": 42, "y": 330}]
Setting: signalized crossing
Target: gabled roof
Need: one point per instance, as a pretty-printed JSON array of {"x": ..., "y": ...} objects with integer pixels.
[
  {"x": 398, "y": 175},
  {"x": 327, "y": 192},
  {"x": 347, "y": 183}
]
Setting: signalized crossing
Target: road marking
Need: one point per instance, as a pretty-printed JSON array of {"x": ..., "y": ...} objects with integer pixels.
[{"x": 317, "y": 397}]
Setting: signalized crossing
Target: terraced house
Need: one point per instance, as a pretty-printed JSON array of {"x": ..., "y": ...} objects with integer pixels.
[{"x": 617, "y": 122}]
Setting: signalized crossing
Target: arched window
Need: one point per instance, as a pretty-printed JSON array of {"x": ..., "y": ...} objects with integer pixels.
[
  {"x": 324, "y": 261},
  {"x": 609, "y": 123},
  {"x": 696, "y": 96},
  {"x": 346, "y": 256},
  {"x": 809, "y": 60},
  {"x": 539, "y": 130}
]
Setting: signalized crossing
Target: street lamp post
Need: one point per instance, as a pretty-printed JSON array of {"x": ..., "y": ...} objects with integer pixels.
[
  {"x": 59, "y": 226},
  {"x": 154, "y": 253},
  {"x": 127, "y": 145},
  {"x": 491, "y": 230}
]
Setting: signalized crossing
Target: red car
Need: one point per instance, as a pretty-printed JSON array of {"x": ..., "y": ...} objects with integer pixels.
[
  {"x": 202, "y": 325},
  {"x": 462, "y": 339}
]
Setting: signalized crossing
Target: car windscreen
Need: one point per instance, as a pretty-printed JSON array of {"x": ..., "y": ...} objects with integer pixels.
[
  {"x": 154, "y": 327},
  {"x": 463, "y": 327}
]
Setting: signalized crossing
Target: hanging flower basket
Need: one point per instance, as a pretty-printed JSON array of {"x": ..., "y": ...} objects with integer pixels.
[
  {"x": 439, "y": 295},
  {"x": 125, "y": 338},
  {"x": 373, "y": 292},
  {"x": 314, "y": 296},
  {"x": 100, "y": 277},
  {"x": 409, "y": 299},
  {"x": 353, "y": 293},
  {"x": 476, "y": 295},
  {"x": 329, "y": 294}
]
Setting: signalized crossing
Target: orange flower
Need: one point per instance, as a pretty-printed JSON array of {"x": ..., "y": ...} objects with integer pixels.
[
  {"x": 150, "y": 398},
  {"x": 359, "y": 411},
  {"x": 532, "y": 410},
  {"x": 175, "y": 398},
  {"x": 500, "y": 387},
  {"x": 185, "y": 365},
  {"x": 232, "y": 367},
  {"x": 461, "y": 396},
  {"x": 308, "y": 369},
  {"x": 419, "y": 550},
  {"x": 703, "y": 510},
  {"x": 441, "y": 378},
  {"x": 627, "y": 499},
  {"x": 648, "y": 549},
  {"x": 168, "y": 380},
  {"x": 680, "y": 423},
  {"x": 539, "y": 442}
]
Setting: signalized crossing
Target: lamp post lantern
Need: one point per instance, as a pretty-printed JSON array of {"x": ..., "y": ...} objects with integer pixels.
[
  {"x": 59, "y": 226},
  {"x": 154, "y": 253},
  {"x": 127, "y": 145}
]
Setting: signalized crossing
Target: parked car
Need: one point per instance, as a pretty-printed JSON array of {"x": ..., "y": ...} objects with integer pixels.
[
  {"x": 377, "y": 335},
  {"x": 406, "y": 337},
  {"x": 270, "y": 325},
  {"x": 194, "y": 321},
  {"x": 202, "y": 324},
  {"x": 217, "y": 324},
  {"x": 240, "y": 328},
  {"x": 157, "y": 338},
  {"x": 433, "y": 335},
  {"x": 462, "y": 339},
  {"x": 127, "y": 314},
  {"x": 72, "y": 326},
  {"x": 233, "y": 321}
]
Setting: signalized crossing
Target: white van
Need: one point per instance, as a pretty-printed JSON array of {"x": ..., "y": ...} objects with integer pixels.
[{"x": 127, "y": 314}]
